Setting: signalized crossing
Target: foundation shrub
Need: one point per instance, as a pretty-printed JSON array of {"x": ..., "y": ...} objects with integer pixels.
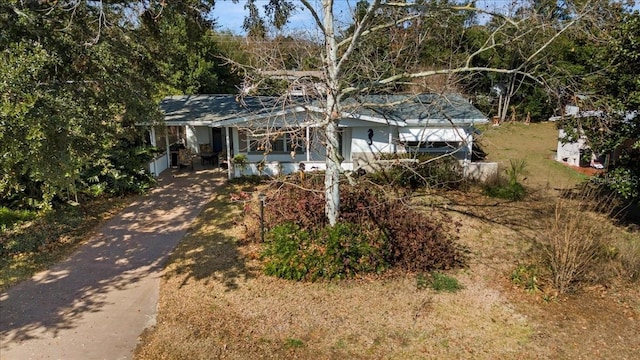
[
  {"x": 338, "y": 252},
  {"x": 420, "y": 171},
  {"x": 370, "y": 219}
]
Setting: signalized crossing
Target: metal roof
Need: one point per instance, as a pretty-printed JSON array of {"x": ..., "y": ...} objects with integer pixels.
[{"x": 422, "y": 110}]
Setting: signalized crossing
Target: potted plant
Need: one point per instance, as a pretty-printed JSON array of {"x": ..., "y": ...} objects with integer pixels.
[{"x": 241, "y": 161}]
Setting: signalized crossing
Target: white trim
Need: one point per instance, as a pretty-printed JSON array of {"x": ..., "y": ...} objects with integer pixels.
[
  {"x": 432, "y": 134},
  {"x": 374, "y": 119},
  {"x": 308, "y": 145},
  {"x": 229, "y": 164},
  {"x": 440, "y": 122},
  {"x": 187, "y": 122}
]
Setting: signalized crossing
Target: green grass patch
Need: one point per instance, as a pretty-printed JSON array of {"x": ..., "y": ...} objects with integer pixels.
[
  {"x": 293, "y": 343},
  {"x": 10, "y": 218},
  {"x": 507, "y": 191},
  {"x": 442, "y": 282},
  {"x": 536, "y": 144},
  {"x": 526, "y": 276}
]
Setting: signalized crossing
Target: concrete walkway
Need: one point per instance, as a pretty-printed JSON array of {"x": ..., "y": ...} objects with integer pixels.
[{"x": 95, "y": 304}]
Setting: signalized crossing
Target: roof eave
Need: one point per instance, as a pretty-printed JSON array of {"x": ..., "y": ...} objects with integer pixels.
[{"x": 452, "y": 122}]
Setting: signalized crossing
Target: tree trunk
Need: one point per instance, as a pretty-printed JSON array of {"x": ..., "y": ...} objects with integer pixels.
[{"x": 332, "y": 174}]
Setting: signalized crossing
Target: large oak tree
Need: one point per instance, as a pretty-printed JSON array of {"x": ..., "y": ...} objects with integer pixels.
[{"x": 76, "y": 78}]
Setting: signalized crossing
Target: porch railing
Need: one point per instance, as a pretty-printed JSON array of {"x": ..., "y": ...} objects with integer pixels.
[{"x": 158, "y": 164}]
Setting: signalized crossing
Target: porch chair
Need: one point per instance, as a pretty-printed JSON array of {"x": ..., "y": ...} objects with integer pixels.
[{"x": 185, "y": 159}]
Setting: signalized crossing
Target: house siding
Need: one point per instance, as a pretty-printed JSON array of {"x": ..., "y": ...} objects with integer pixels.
[
  {"x": 569, "y": 152},
  {"x": 197, "y": 114},
  {"x": 362, "y": 152}
]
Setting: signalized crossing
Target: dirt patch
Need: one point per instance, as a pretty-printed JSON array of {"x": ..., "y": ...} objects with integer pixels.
[{"x": 595, "y": 324}]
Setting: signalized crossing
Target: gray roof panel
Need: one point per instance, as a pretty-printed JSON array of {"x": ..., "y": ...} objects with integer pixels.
[{"x": 423, "y": 110}]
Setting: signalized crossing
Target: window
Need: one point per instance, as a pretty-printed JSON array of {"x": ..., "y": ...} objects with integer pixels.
[{"x": 273, "y": 143}]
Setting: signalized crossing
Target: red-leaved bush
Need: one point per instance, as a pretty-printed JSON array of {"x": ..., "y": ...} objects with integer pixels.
[{"x": 414, "y": 241}]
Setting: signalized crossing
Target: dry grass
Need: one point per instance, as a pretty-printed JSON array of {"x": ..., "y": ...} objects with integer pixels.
[
  {"x": 574, "y": 241},
  {"x": 215, "y": 303}
]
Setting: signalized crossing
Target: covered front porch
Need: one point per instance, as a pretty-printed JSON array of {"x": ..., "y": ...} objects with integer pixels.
[{"x": 242, "y": 151}]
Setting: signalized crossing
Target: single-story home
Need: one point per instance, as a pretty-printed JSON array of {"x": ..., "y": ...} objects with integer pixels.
[{"x": 277, "y": 137}]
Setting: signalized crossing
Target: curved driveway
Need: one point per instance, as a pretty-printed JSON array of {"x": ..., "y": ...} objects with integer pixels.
[{"x": 95, "y": 304}]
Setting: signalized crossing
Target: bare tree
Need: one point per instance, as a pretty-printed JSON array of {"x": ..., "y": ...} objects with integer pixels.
[{"x": 402, "y": 23}]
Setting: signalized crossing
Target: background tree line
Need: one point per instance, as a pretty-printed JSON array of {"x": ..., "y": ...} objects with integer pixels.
[{"x": 77, "y": 76}]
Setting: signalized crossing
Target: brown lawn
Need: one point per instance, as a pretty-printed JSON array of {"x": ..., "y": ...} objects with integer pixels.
[{"x": 216, "y": 303}]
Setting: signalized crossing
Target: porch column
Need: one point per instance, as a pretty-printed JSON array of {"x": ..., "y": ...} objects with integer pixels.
[
  {"x": 307, "y": 143},
  {"x": 228, "y": 144},
  {"x": 152, "y": 138},
  {"x": 166, "y": 136},
  {"x": 391, "y": 149}
]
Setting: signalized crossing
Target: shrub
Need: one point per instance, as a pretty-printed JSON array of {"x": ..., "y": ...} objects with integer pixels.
[
  {"x": 508, "y": 188},
  {"x": 581, "y": 243},
  {"x": 418, "y": 243},
  {"x": 424, "y": 171},
  {"x": 574, "y": 241},
  {"x": 624, "y": 181},
  {"x": 335, "y": 252},
  {"x": 407, "y": 239},
  {"x": 288, "y": 203},
  {"x": 502, "y": 190},
  {"x": 241, "y": 161}
]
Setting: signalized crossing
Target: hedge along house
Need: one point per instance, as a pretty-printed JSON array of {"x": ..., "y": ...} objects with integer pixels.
[{"x": 276, "y": 138}]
